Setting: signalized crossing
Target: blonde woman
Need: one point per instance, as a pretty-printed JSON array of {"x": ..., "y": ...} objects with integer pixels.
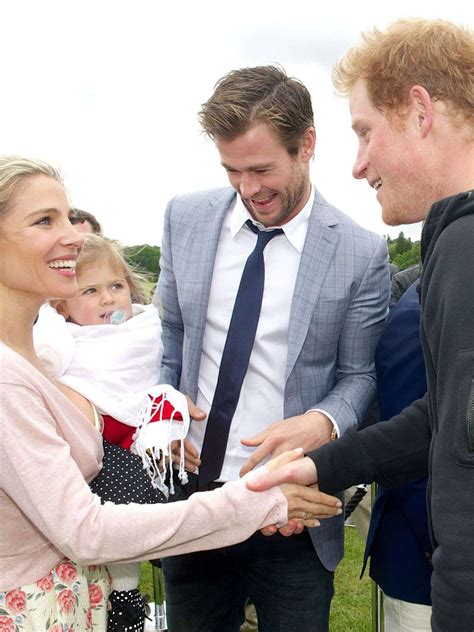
[{"x": 56, "y": 536}]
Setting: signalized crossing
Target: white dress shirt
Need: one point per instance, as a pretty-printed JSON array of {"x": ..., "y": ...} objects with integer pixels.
[{"x": 261, "y": 399}]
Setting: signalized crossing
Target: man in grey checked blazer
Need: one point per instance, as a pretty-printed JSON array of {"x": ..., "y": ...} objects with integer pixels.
[{"x": 311, "y": 371}]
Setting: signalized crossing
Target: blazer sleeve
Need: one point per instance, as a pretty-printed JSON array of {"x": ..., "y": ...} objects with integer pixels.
[
  {"x": 167, "y": 303},
  {"x": 355, "y": 383}
]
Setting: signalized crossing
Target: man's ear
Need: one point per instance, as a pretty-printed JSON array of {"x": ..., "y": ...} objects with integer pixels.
[
  {"x": 308, "y": 143},
  {"x": 421, "y": 107}
]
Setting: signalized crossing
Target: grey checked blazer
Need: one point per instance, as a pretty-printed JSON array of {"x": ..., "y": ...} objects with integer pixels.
[{"x": 339, "y": 306}]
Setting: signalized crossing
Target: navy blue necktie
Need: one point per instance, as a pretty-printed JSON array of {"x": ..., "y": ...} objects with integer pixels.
[{"x": 235, "y": 358}]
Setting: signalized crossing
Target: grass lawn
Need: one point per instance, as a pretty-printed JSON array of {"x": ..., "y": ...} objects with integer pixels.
[{"x": 351, "y": 606}]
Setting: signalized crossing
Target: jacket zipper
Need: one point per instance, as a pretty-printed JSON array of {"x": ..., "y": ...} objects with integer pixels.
[{"x": 470, "y": 419}]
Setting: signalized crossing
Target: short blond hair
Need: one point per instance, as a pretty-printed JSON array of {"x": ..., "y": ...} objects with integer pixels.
[{"x": 434, "y": 54}]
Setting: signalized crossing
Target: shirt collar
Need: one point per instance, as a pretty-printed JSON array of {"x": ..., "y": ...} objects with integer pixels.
[{"x": 295, "y": 230}]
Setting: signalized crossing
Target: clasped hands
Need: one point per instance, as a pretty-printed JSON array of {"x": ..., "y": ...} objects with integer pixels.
[{"x": 296, "y": 475}]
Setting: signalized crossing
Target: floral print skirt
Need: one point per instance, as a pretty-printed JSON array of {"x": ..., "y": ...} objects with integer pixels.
[{"x": 70, "y": 598}]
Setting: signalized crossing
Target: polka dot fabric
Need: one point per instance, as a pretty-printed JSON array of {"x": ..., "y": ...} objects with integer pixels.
[
  {"x": 123, "y": 480},
  {"x": 129, "y": 611}
]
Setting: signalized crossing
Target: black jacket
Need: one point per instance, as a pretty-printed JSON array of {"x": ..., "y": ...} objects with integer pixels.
[{"x": 434, "y": 435}]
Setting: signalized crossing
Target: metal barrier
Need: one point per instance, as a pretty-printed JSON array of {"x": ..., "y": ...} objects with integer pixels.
[
  {"x": 377, "y": 594},
  {"x": 157, "y": 621}
]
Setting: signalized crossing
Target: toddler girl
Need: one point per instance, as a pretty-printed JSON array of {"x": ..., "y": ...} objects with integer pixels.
[{"x": 108, "y": 348}]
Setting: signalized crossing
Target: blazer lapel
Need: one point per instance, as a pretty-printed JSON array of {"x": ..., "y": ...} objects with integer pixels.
[
  {"x": 318, "y": 251},
  {"x": 206, "y": 233}
]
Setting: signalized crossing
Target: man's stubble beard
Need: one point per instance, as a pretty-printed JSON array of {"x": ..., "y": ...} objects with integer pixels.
[{"x": 290, "y": 198}]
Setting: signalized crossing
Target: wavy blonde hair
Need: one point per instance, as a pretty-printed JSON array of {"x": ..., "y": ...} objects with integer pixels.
[{"x": 434, "y": 54}]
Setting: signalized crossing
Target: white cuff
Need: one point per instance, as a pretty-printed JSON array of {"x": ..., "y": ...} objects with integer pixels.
[{"x": 330, "y": 417}]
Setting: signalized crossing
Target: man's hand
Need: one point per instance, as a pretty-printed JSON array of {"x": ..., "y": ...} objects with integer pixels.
[
  {"x": 290, "y": 528},
  {"x": 191, "y": 455},
  {"x": 308, "y": 431},
  {"x": 302, "y": 471},
  {"x": 289, "y": 468},
  {"x": 305, "y": 504}
]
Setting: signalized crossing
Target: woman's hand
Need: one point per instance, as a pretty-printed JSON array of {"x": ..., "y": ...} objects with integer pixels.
[{"x": 307, "y": 505}]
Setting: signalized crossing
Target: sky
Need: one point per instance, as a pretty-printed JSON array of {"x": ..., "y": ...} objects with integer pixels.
[{"x": 109, "y": 90}]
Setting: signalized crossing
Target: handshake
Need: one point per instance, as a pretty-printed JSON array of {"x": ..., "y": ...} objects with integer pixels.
[
  {"x": 296, "y": 476},
  {"x": 294, "y": 473}
]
